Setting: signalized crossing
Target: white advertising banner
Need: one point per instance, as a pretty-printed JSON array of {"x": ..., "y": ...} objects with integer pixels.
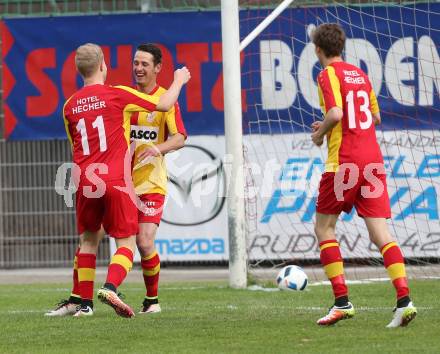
[
  {"x": 284, "y": 173},
  {"x": 287, "y": 170}
]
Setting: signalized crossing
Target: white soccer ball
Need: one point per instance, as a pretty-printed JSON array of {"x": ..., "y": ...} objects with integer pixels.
[{"x": 292, "y": 277}]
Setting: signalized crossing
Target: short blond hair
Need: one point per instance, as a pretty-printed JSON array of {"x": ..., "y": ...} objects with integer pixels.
[{"x": 88, "y": 58}]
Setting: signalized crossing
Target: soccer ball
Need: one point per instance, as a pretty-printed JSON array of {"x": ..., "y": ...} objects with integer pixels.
[{"x": 292, "y": 278}]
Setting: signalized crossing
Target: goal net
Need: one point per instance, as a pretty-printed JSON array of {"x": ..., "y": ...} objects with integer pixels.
[{"x": 397, "y": 45}]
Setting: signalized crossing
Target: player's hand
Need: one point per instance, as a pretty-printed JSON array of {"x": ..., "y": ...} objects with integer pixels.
[
  {"x": 148, "y": 153},
  {"x": 315, "y": 125},
  {"x": 317, "y": 139},
  {"x": 182, "y": 75}
]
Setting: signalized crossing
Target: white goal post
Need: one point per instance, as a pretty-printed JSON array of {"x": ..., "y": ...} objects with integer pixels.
[
  {"x": 232, "y": 47},
  {"x": 234, "y": 144}
]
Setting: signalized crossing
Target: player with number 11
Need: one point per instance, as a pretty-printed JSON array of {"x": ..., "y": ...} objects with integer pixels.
[{"x": 97, "y": 120}]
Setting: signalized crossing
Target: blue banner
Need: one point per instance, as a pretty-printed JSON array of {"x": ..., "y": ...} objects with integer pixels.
[{"x": 400, "y": 55}]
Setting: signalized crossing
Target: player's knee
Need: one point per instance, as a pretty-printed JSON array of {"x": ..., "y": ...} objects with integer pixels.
[
  {"x": 91, "y": 241},
  {"x": 375, "y": 242},
  {"x": 126, "y": 242},
  {"x": 145, "y": 249},
  {"x": 324, "y": 233},
  {"x": 90, "y": 245},
  {"x": 316, "y": 229},
  {"x": 145, "y": 238},
  {"x": 381, "y": 239},
  {"x": 145, "y": 243},
  {"x": 319, "y": 231}
]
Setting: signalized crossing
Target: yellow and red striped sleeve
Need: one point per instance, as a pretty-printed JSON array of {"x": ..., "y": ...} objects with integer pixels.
[
  {"x": 66, "y": 122},
  {"x": 374, "y": 106},
  {"x": 174, "y": 121},
  {"x": 135, "y": 101},
  {"x": 329, "y": 89},
  {"x": 321, "y": 100}
]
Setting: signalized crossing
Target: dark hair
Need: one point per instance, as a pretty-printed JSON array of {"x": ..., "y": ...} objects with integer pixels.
[
  {"x": 154, "y": 50},
  {"x": 330, "y": 37}
]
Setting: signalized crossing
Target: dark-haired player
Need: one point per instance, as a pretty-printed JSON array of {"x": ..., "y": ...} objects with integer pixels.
[
  {"x": 354, "y": 173},
  {"x": 166, "y": 133}
]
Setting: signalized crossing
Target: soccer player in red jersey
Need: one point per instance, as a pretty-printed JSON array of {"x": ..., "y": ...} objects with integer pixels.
[
  {"x": 154, "y": 135},
  {"x": 354, "y": 173},
  {"x": 97, "y": 120}
]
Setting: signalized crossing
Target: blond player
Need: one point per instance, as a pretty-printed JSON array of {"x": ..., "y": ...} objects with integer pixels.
[{"x": 154, "y": 135}]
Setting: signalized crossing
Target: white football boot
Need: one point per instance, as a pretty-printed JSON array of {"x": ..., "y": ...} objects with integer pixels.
[
  {"x": 84, "y": 311},
  {"x": 152, "y": 308},
  {"x": 403, "y": 316},
  {"x": 64, "y": 308}
]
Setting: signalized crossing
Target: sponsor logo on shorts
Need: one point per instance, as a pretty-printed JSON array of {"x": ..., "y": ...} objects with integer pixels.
[
  {"x": 149, "y": 208},
  {"x": 150, "y": 211}
]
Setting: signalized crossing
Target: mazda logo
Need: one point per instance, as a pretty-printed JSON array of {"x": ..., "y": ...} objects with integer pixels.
[{"x": 197, "y": 187}]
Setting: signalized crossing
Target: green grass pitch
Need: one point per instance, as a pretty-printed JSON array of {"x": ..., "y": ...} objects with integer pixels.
[{"x": 212, "y": 318}]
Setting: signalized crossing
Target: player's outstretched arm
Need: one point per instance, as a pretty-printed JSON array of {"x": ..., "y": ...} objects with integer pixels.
[{"x": 167, "y": 100}]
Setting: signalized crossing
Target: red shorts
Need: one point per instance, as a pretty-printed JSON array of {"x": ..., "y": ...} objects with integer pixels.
[
  {"x": 338, "y": 191},
  {"x": 114, "y": 210},
  {"x": 152, "y": 208}
]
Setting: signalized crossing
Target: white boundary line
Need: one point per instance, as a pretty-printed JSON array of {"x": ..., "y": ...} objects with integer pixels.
[
  {"x": 250, "y": 288},
  {"x": 233, "y": 307}
]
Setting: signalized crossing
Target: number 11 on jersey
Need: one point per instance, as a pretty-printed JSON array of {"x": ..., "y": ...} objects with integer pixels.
[{"x": 97, "y": 124}]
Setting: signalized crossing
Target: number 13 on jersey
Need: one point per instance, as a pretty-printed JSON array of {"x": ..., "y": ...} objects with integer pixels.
[{"x": 364, "y": 107}]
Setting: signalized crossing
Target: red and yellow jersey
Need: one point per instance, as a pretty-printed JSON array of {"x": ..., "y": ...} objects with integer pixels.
[
  {"x": 353, "y": 139},
  {"x": 150, "y": 129},
  {"x": 97, "y": 122}
]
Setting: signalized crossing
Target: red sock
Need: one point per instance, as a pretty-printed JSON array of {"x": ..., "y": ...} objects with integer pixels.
[
  {"x": 395, "y": 265},
  {"x": 151, "y": 269},
  {"x": 75, "y": 290},
  {"x": 120, "y": 265},
  {"x": 333, "y": 264},
  {"x": 86, "y": 275}
]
